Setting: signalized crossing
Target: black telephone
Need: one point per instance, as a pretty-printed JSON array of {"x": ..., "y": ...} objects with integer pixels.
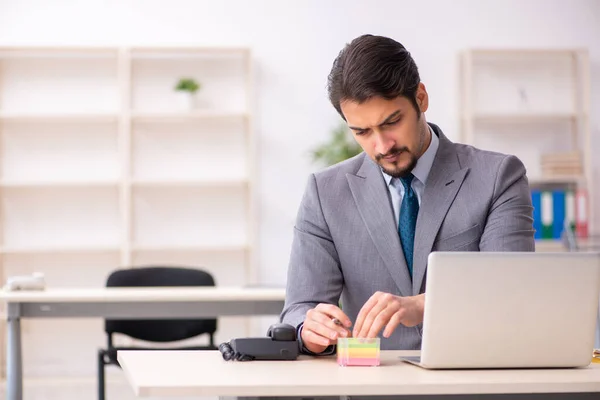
[{"x": 280, "y": 344}]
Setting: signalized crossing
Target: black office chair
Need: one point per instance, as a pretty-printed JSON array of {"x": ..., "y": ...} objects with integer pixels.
[{"x": 168, "y": 330}]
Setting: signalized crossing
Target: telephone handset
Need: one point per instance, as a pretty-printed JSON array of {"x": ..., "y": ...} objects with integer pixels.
[{"x": 280, "y": 344}]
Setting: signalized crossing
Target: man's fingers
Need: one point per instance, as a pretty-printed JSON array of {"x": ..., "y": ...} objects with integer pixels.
[
  {"x": 323, "y": 325},
  {"x": 370, "y": 318},
  {"x": 329, "y": 327},
  {"x": 379, "y": 322},
  {"x": 334, "y": 312},
  {"x": 364, "y": 311},
  {"x": 393, "y": 324},
  {"x": 311, "y": 336}
]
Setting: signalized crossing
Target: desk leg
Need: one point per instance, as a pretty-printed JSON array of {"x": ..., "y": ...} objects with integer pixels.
[{"x": 14, "y": 366}]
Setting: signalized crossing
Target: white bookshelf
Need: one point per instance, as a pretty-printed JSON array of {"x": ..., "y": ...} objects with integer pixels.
[
  {"x": 530, "y": 102},
  {"x": 522, "y": 117},
  {"x": 60, "y": 249},
  {"x": 102, "y": 168},
  {"x": 181, "y": 117}
]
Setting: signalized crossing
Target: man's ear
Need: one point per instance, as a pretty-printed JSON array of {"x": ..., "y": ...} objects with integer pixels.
[{"x": 422, "y": 97}]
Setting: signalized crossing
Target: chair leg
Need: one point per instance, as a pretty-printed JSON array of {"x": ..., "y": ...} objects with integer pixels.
[{"x": 101, "y": 380}]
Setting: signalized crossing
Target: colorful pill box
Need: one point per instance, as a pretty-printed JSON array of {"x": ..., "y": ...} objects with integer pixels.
[{"x": 358, "y": 351}]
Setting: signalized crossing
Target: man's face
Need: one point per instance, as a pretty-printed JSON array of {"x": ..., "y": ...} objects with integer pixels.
[{"x": 391, "y": 132}]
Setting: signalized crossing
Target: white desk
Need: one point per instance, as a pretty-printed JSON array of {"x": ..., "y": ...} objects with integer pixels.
[
  {"x": 127, "y": 303},
  {"x": 205, "y": 373}
]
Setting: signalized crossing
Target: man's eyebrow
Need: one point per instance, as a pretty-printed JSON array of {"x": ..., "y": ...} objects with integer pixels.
[{"x": 390, "y": 117}]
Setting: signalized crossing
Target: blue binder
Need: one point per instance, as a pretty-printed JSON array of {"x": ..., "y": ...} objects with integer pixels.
[
  {"x": 560, "y": 207},
  {"x": 536, "y": 200}
]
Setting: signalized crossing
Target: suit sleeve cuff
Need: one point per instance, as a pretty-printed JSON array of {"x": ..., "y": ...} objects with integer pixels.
[{"x": 330, "y": 350}]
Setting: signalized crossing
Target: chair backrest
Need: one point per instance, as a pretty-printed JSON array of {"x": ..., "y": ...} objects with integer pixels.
[{"x": 164, "y": 330}]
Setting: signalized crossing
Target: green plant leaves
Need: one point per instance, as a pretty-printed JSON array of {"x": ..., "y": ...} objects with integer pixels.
[
  {"x": 341, "y": 146},
  {"x": 188, "y": 85}
]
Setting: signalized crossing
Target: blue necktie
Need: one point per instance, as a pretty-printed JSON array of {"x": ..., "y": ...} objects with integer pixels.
[{"x": 408, "y": 220}]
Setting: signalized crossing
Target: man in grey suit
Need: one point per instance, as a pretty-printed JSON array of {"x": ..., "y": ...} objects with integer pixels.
[{"x": 366, "y": 226}]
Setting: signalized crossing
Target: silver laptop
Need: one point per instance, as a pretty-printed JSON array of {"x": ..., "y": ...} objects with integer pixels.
[{"x": 509, "y": 310}]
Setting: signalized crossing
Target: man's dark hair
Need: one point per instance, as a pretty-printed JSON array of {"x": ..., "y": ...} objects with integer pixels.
[{"x": 372, "y": 66}]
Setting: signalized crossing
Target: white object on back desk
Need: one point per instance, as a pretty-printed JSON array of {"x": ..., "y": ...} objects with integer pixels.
[
  {"x": 205, "y": 373},
  {"x": 129, "y": 303},
  {"x": 35, "y": 281}
]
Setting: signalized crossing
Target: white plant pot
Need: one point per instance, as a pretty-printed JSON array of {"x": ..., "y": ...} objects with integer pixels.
[{"x": 185, "y": 101}]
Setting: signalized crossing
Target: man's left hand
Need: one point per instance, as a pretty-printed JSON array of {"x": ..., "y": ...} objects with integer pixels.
[{"x": 387, "y": 310}]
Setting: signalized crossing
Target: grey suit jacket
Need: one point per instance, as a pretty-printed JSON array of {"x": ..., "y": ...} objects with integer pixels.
[{"x": 346, "y": 242}]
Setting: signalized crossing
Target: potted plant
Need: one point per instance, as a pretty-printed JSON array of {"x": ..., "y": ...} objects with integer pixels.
[
  {"x": 186, "y": 89},
  {"x": 340, "y": 147}
]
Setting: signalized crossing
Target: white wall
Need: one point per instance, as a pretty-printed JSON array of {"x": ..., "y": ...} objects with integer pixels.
[{"x": 294, "y": 44}]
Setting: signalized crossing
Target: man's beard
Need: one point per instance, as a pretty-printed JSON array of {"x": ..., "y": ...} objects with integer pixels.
[{"x": 398, "y": 172}]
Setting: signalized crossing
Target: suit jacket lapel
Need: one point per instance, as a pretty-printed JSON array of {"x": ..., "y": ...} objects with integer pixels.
[
  {"x": 373, "y": 202},
  {"x": 443, "y": 183}
]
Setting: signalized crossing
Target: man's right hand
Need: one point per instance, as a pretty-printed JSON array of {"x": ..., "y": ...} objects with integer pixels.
[{"x": 319, "y": 329}]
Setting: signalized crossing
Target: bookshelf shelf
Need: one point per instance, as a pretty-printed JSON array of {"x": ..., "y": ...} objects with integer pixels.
[
  {"x": 72, "y": 53},
  {"x": 184, "y": 116},
  {"x": 61, "y": 249},
  {"x": 510, "y": 118},
  {"x": 59, "y": 118},
  {"x": 59, "y": 184},
  {"x": 521, "y": 52},
  {"x": 190, "y": 248},
  {"x": 187, "y": 52},
  {"x": 198, "y": 183},
  {"x": 557, "y": 180},
  {"x": 59, "y": 382},
  {"x": 549, "y": 245}
]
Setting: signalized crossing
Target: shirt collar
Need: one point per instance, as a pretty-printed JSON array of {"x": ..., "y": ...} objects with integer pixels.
[{"x": 424, "y": 163}]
